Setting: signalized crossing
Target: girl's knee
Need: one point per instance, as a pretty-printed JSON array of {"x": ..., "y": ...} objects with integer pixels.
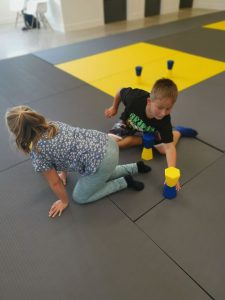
[{"x": 79, "y": 198}]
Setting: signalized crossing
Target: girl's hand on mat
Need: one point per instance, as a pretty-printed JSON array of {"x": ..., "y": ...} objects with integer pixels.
[
  {"x": 57, "y": 208},
  {"x": 110, "y": 112}
]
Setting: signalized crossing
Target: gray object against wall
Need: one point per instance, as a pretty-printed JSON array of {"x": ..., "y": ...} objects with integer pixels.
[
  {"x": 152, "y": 7},
  {"x": 115, "y": 10}
]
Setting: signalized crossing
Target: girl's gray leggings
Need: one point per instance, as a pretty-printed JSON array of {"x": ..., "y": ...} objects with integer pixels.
[{"x": 106, "y": 180}]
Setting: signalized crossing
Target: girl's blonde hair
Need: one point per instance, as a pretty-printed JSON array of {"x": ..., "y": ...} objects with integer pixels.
[{"x": 28, "y": 126}]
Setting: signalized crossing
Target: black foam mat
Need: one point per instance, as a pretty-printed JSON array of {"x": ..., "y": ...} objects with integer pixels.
[
  {"x": 74, "y": 51},
  {"x": 27, "y": 78},
  {"x": 198, "y": 41},
  {"x": 193, "y": 157},
  {"x": 90, "y": 252},
  {"x": 191, "y": 228},
  {"x": 203, "y": 107}
]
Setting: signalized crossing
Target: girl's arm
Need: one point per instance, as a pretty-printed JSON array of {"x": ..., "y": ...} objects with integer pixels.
[
  {"x": 59, "y": 190},
  {"x": 62, "y": 176}
]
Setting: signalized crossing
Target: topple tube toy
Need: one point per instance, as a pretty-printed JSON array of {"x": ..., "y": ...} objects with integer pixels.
[
  {"x": 172, "y": 176},
  {"x": 148, "y": 142}
]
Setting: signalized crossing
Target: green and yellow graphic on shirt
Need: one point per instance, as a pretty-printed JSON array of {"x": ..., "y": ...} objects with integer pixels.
[{"x": 135, "y": 123}]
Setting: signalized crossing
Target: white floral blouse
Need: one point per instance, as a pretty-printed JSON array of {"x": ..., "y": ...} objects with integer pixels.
[{"x": 72, "y": 149}]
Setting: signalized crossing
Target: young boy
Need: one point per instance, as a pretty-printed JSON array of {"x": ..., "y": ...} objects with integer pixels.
[{"x": 148, "y": 112}]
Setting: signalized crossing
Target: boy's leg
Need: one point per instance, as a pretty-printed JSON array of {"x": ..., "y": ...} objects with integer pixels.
[
  {"x": 129, "y": 141},
  {"x": 124, "y": 136},
  {"x": 176, "y": 136},
  {"x": 186, "y": 131},
  {"x": 178, "y": 132}
]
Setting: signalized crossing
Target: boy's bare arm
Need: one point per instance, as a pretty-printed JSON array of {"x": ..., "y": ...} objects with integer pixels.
[
  {"x": 171, "y": 154},
  {"x": 112, "y": 110},
  {"x": 171, "y": 157}
]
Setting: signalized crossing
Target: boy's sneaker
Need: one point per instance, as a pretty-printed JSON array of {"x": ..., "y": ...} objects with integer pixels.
[{"x": 186, "y": 131}]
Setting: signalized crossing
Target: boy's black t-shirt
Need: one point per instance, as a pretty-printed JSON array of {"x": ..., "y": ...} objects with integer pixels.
[{"x": 134, "y": 116}]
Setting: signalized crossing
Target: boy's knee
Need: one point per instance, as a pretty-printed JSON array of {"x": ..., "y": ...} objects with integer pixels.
[{"x": 161, "y": 150}]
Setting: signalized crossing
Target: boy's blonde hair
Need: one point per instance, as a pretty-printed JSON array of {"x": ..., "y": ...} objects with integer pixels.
[
  {"x": 164, "y": 88},
  {"x": 28, "y": 126}
]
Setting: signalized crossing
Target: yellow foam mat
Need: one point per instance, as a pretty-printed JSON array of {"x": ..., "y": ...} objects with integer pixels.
[
  {"x": 217, "y": 25},
  {"x": 114, "y": 69}
]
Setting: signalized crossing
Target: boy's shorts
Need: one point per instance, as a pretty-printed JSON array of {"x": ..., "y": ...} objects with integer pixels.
[{"x": 120, "y": 131}]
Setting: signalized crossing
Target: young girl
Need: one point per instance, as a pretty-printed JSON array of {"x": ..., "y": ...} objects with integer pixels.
[{"x": 56, "y": 148}]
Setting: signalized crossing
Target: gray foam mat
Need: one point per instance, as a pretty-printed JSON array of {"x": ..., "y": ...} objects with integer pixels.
[
  {"x": 202, "y": 107},
  {"x": 193, "y": 157},
  {"x": 74, "y": 51},
  {"x": 4, "y": 104},
  {"x": 191, "y": 229},
  {"x": 199, "y": 41},
  {"x": 91, "y": 252},
  {"x": 27, "y": 78},
  {"x": 81, "y": 107},
  {"x": 9, "y": 153}
]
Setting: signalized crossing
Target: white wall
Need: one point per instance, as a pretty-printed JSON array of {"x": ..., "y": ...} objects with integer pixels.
[
  {"x": 79, "y": 14},
  {"x": 135, "y": 9},
  {"x": 169, "y": 6},
  {"x": 54, "y": 15},
  {"x": 211, "y": 4},
  {"x": 66, "y": 15},
  {"x": 6, "y": 15}
]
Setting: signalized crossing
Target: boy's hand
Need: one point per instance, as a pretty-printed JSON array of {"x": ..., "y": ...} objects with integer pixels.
[
  {"x": 57, "y": 208},
  {"x": 110, "y": 112},
  {"x": 178, "y": 186}
]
